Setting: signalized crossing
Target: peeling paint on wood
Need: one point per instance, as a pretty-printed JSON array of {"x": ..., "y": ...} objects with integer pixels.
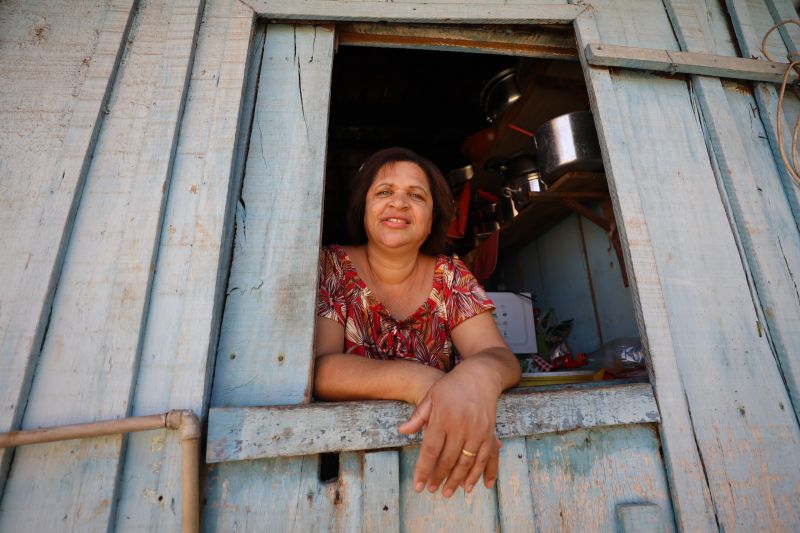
[
  {"x": 188, "y": 287},
  {"x": 49, "y": 121},
  {"x": 579, "y": 478},
  {"x": 89, "y": 358},
  {"x": 265, "y": 349},
  {"x": 251, "y": 433}
]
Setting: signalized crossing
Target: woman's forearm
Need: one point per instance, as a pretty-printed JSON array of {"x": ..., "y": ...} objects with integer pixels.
[
  {"x": 498, "y": 366},
  {"x": 339, "y": 377}
]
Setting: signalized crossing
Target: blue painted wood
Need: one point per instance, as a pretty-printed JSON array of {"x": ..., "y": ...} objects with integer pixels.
[
  {"x": 553, "y": 269},
  {"x": 241, "y": 433},
  {"x": 579, "y": 478},
  {"x": 514, "y": 490},
  {"x": 424, "y": 511},
  {"x": 690, "y": 494},
  {"x": 769, "y": 238},
  {"x": 381, "y": 491},
  {"x": 613, "y": 300},
  {"x": 698, "y": 316},
  {"x": 189, "y": 284},
  {"x": 88, "y": 362},
  {"x": 51, "y": 117},
  {"x": 265, "y": 348},
  {"x": 751, "y": 20},
  {"x": 284, "y": 495}
]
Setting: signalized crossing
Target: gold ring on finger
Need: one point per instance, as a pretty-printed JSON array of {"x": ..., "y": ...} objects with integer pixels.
[{"x": 468, "y": 453}]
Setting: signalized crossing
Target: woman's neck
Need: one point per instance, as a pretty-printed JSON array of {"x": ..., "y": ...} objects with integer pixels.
[{"x": 391, "y": 267}]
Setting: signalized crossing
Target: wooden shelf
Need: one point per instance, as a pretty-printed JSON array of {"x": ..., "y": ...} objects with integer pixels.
[{"x": 546, "y": 209}]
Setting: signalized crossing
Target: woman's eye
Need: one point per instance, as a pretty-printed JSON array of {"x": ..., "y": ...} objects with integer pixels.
[
  {"x": 416, "y": 196},
  {"x": 384, "y": 193}
]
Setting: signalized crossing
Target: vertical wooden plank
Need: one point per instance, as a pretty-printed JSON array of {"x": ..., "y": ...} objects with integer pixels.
[
  {"x": 758, "y": 207},
  {"x": 614, "y": 306},
  {"x": 688, "y": 486},
  {"x": 58, "y": 61},
  {"x": 514, "y": 498},
  {"x": 194, "y": 249},
  {"x": 284, "y": 495},
  {"x": 90, "y": 354},
  {"x": 265, "y": 348},
  {"x": 751, "y": 20},
  {"x": 431, "y": 512},
  {"x": 381, "y": 485},
  {"x": 580, "y": 477},
  {"x": 566, "y": 283},
  {"x": 715, "y": 363}
]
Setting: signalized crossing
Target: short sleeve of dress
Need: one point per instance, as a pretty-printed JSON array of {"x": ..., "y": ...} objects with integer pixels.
[
  {"x": 331, "y": 301},
  {"x": 466, "y": 298}
]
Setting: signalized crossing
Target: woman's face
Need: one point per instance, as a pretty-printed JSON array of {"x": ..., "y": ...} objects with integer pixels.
[{"x": 399, "y": 206}]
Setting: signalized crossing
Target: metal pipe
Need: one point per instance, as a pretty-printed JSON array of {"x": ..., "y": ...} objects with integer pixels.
[{"x": 184, "y": 420}]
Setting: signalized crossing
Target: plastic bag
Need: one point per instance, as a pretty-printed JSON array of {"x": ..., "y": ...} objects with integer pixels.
[{"x": 621, "y": 355}]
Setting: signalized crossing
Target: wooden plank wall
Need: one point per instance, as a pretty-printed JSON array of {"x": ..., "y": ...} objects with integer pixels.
[
  {"x": 57, "y": 63},
  {"x": 193, "y": 261},
  {"x": 265, "y": 347},
  {"x": 768, "y": 220},
  {"x": 89, "y": 359},
  {"x": 562, "y": 268},
  {"x": 693, "y": 297}
]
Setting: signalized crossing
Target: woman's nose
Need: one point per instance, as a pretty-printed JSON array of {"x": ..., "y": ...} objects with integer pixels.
[{"x": 399, "y": 200}]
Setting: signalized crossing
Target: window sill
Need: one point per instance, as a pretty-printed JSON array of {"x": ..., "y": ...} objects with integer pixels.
[{"x": 241, "y": 433}]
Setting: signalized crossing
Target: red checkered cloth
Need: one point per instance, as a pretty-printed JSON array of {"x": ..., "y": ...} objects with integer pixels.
[{"x": 543, "y": 365}]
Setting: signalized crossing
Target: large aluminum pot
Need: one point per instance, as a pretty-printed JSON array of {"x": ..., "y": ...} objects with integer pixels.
[{"x": 567, "y": 143}]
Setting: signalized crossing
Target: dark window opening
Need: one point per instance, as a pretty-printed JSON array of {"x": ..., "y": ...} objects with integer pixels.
[{"x": 430, "y": 101}]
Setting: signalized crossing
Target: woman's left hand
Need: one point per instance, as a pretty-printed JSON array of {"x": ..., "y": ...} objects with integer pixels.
[{"x": 458, "y": 415}]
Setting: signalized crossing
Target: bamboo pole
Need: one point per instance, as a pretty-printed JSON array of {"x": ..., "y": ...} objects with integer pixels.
[{"x": 184, "y": 420}]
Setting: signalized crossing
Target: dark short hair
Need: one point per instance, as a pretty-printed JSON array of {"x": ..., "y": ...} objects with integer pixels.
[{"x": 440, "y": 191}]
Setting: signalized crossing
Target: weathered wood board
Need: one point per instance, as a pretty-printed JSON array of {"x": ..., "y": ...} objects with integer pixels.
[
  {"x": 417, "y": 12},
  {"x": 88, "y": 363},
  {"x": 697, "y": 312},
  {"x": 514, "y": 491},
  {"x": 256, "y": 432},
  {"x": 264, "y": 354},
  {"x": 196, "y": 237},
  {"x": 381, "y": 486},
  {"x": 58, "y": 61},
  {"x": 424, "y": 511},
  {"x": 579, "y": 478},
  {"x": 769, "y": 237}
]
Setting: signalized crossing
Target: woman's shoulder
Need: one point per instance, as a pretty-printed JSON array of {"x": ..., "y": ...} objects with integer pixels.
[{"x": 451, "y": 266}]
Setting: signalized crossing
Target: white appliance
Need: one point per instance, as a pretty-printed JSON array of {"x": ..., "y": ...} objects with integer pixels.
[{"x": 514, "y": 318}]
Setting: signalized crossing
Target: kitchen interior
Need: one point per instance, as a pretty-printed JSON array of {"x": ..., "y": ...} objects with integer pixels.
[{"x": 516, "y": 141}]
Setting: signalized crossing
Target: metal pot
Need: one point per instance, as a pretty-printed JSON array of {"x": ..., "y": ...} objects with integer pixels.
[
  {"x": 518, "y": 189},
  {"x": 567, "y": 143},
  {"x": 499, "y": 93}
]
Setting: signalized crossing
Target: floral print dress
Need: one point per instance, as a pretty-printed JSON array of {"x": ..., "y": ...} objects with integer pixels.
[{"x": 371, "y": 331}]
